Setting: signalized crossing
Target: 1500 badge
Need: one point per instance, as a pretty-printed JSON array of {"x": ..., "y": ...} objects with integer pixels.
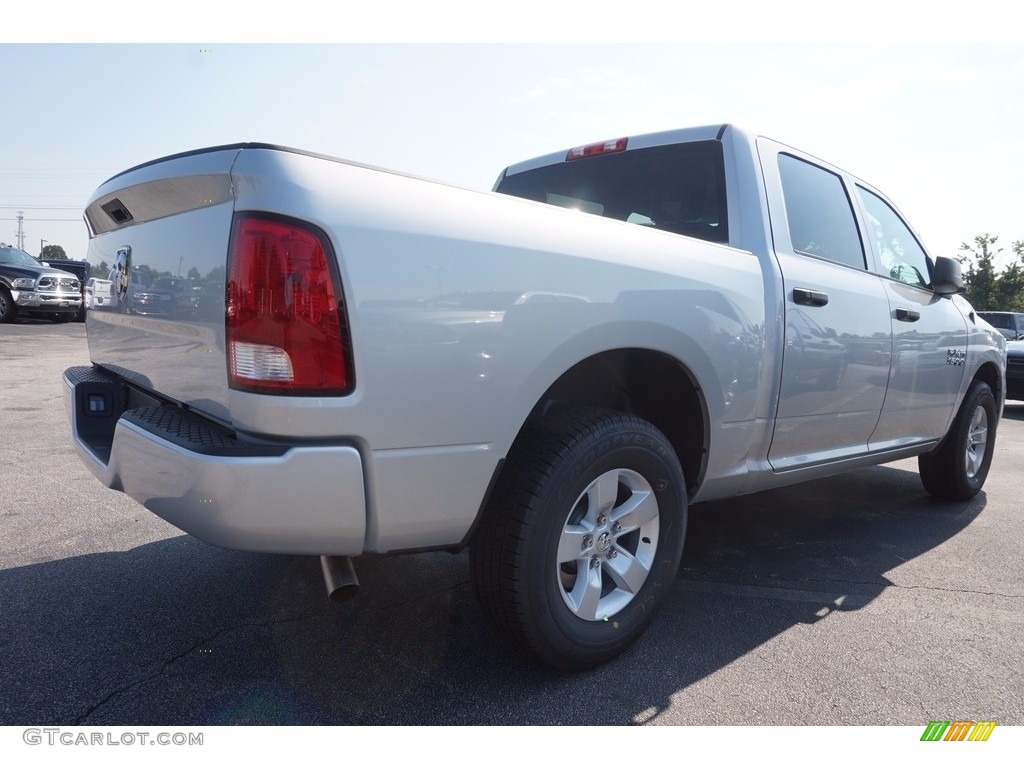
[{"x": 956, "y": 357}]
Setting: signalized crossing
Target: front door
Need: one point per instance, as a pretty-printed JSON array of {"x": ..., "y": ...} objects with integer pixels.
[{"x": 929, "y": 333}]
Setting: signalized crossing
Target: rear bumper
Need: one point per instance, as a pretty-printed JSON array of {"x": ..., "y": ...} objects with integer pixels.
[{"x": 262, "y": 497}]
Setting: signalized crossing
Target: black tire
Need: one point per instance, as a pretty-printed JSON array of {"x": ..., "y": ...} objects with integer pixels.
[
  {"x": 61, "y": 317},
  {"x": 8, "y": 309},
  {"x": 957, "y": 469},
  {"x": 594, "y": 482}
]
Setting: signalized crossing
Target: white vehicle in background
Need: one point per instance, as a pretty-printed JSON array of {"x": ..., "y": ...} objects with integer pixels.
[{"x": 98, "y": 293}]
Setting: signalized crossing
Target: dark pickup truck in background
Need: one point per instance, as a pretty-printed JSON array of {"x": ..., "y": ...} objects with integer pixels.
[
  {"x": 79, "y": 269},
  {"x": 49, "y": 289}
]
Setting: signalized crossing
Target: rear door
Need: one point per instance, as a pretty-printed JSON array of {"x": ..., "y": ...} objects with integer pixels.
[{"x": 838, "y": 341}]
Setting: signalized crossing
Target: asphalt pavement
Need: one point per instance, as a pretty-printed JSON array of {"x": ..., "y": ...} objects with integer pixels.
[{"x": 856, "y": 600}]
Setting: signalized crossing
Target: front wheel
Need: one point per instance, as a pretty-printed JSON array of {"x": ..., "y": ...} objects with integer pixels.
[
  {"x": 956, "y": 471},
  {"x": 583, "y": 537},
  {"x": 8, "y": 309}
]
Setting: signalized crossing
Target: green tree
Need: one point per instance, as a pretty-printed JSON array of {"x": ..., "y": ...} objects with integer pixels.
[
  {"x": 1009, "y": 288},
  {"x": 52, "y": 252},
  {"x": 193, "y": 274},
  {"x": 217, "y": 273},
  {"x": 980, "y": 275},
  {"x": 985, "y": 288},
  {"x": 101, "y": 270}
]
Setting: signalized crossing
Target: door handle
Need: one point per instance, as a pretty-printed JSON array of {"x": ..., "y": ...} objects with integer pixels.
[
  {"x": 810, "y": 298},
  {"x": 907, "y": 315}
]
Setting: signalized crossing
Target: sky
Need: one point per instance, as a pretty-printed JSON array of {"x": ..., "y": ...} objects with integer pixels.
[{"x": 937, "y": 126}]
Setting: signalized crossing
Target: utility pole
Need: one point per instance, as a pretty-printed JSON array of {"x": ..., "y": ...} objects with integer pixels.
[{"x": 21, "y": 230}]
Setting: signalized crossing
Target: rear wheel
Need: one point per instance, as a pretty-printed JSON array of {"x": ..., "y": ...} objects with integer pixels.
[
  {"x": 956, "y": 471},
  {"x": 582, "y": 538}
]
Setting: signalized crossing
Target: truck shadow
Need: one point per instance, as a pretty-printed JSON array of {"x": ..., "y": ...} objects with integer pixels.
[{"x": 179, "y": 632}]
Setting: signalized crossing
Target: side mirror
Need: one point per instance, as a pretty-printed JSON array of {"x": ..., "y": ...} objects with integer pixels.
[{"x": 946, "y": 276}]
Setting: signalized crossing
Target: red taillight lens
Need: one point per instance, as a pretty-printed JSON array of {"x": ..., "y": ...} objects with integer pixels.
[
  {"x": 600, "y": 148},
  {"x": 286, "y": 330}
]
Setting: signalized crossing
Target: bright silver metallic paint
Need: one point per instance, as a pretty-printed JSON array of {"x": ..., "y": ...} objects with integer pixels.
[{"x": 464, "y": 308}]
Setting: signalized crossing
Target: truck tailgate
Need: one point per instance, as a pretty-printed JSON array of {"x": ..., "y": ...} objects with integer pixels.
[{"x": 164, "y": 229}]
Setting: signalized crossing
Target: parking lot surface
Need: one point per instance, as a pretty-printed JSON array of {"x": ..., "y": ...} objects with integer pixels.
[{"x": 856, "y": 600}]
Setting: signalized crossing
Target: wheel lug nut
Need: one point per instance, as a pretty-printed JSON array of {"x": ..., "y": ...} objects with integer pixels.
[
  {"x": 613, "y": 554},
  {"x": 616, "y": 527},
  {"x": 601, "y": 519},
  {"x": 588, "y": 542},
  {"x": 595, "y": 562}
]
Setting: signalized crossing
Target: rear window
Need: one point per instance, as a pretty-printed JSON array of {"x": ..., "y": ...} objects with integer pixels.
[{"x": 678, "y": 188}]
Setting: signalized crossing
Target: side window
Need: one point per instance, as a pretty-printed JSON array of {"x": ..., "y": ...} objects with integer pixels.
[
  {"x": 901, "y": 256},
  {"x": 819, "y": 214}
]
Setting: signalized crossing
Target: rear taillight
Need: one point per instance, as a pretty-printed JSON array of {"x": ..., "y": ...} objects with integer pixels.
[
  {"x": 600, "y": 148},
  {"x": 286, "y": 327}
]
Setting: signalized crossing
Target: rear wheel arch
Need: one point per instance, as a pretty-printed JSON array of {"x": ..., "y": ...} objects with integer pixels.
[{"x": 646, "y": 383}]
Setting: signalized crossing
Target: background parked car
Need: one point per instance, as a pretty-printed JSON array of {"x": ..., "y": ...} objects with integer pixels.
[
  {"x": 1015, "y": 370},
  {"x": 28, "y": 287},
  {"x": 1010, "y": 324},
  {"x": 166, "y": 297},
  {"x": 98, "y": 293},
  {"x": 79, "y": 269}
]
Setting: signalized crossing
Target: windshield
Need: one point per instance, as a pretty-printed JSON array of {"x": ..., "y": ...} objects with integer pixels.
[{"x": 17, "y": 257}]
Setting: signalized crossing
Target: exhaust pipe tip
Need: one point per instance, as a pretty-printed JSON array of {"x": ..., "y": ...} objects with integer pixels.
[{"x": 339, "y": 577}]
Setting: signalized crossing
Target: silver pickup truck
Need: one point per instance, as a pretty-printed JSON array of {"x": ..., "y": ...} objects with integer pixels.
[{"x": 549, "y": 374}]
